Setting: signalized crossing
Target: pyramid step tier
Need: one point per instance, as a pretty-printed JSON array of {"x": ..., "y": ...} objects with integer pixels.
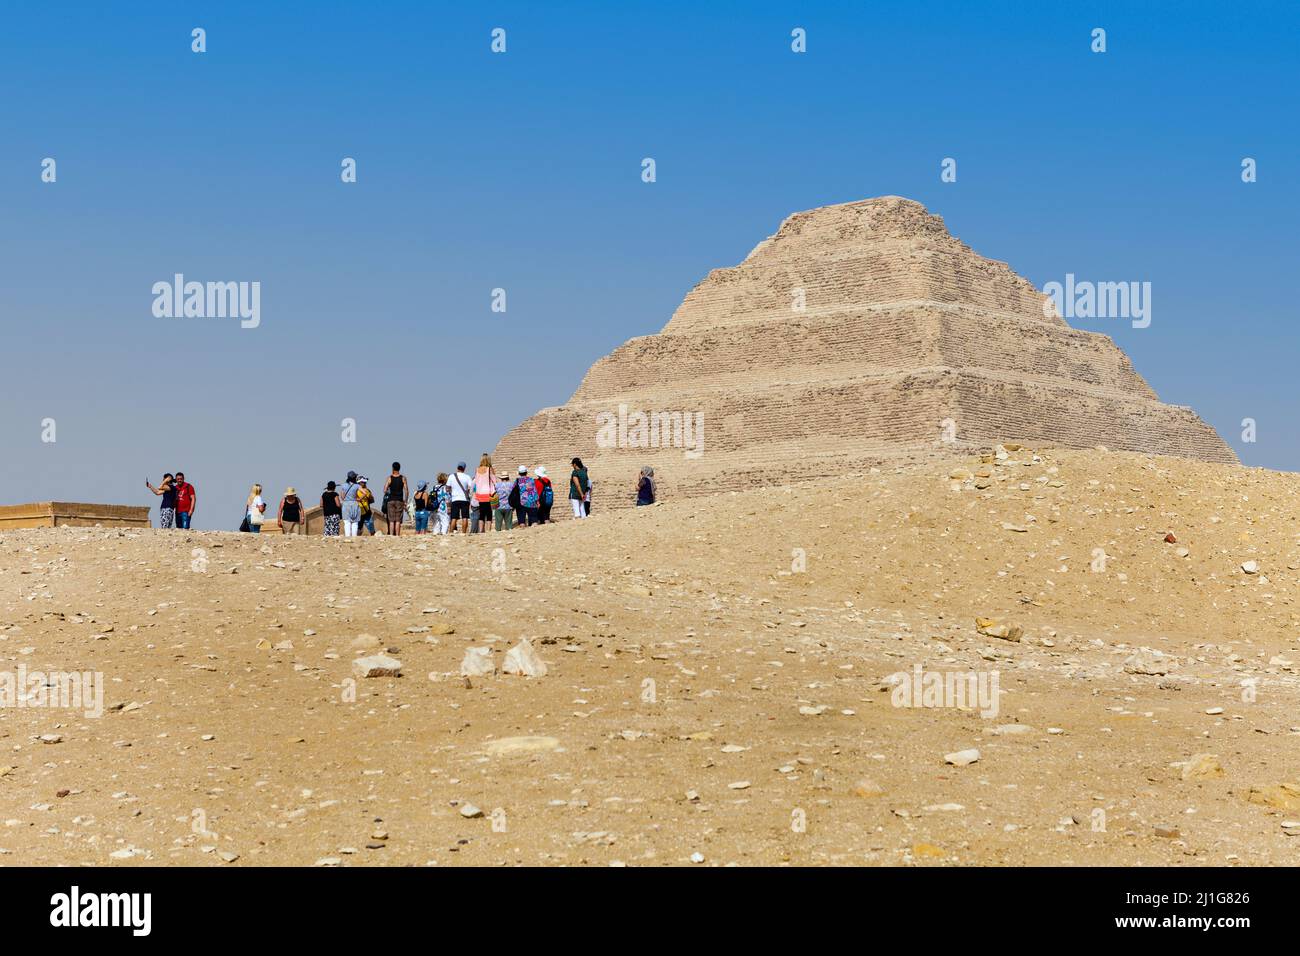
[
  {"x": 888, "y": 339},
  {"x": 861, "y": 253},
  {"x": 892, "y": 407},
  {"x": 771, "y": 429},
  {"x": 886, "y": 274}
]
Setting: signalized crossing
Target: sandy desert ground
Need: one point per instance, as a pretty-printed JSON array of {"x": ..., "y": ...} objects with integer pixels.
[{"x": 718, "y": 689}]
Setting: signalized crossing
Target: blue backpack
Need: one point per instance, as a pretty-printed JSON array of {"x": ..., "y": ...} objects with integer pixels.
[{"x": 548, "y": 495}]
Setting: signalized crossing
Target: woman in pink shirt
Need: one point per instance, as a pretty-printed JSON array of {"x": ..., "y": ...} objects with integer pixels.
[{"x": 485, "y": 481}]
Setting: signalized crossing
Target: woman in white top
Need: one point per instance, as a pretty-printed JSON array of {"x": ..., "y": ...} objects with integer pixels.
[{"x": 255, "y": 509}]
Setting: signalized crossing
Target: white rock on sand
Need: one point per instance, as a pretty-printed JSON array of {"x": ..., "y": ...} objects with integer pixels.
[
  {"x": 523, "y": 660},
  {"x": 508, "y": 746},
  {"x": 377, "y": 665},
  {"x": 1149, "y": 662},
  {"x": 477, "y": 662}
]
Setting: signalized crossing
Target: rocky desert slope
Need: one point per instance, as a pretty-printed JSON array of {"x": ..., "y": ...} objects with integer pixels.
[{"x": 718, "y": 686}]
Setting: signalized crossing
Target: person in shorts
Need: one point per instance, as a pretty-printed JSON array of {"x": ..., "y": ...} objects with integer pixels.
[
  {"x": 395, "y": 495},
  {"x": 485, "y": 481},
  {"x": 461, "y": 487},
  {"x": 423, "y": 505}
]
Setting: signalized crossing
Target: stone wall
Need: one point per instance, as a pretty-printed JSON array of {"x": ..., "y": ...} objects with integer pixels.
[
  {"x": 315, "y": 519},
  {"x": 52, "y": 514}
]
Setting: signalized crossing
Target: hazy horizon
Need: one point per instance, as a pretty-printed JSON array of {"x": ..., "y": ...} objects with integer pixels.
[{"x": 522, "y": 171}]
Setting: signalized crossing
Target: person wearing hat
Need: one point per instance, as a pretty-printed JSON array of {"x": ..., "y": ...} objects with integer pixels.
[
  {"x": 521, "y": 513},
  {"x": 366, "y": 498},
  {"x": 331, "y": 509},
  {"x": 461, "y": 487},
  {"x": 528, "y": 497},
  {"x": 545, "y": 495},
  {"x": 422, "y": 508},
  {"x": 351, "y": 506},
  {"x": 290, "y": 517},
  {"x": 503, "y": 515}
]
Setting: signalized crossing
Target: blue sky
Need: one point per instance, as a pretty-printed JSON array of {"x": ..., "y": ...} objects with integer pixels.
[{"x": 522, "y": 171}]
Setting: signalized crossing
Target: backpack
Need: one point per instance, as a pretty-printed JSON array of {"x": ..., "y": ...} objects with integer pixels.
[
  {"x": 548, "y": 495},
  {"x": 527, "y": 492},
  {"x": 513, "y": 500}
]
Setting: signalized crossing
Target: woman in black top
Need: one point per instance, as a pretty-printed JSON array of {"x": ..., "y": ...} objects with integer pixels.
[
  {"x": 331, "y": 510},
  {"x": 167, "y": 510},
  {"x": 290, "y": 517},
  {"x": 422, "y": 508}
]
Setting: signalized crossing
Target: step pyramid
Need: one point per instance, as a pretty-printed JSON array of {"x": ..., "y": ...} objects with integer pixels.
[{"x": 858, "y": 334}]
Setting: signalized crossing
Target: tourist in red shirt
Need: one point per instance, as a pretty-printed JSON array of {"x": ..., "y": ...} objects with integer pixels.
[
  {"x": 186, "y": 499},
  {"x": 544, "y": 491}
]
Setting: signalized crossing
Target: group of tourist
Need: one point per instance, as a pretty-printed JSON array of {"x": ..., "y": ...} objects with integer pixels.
[{"x": 459, "y": 502}]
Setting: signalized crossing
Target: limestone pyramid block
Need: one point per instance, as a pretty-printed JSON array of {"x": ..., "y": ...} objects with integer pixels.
[{"x": 858, "y": 333}]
